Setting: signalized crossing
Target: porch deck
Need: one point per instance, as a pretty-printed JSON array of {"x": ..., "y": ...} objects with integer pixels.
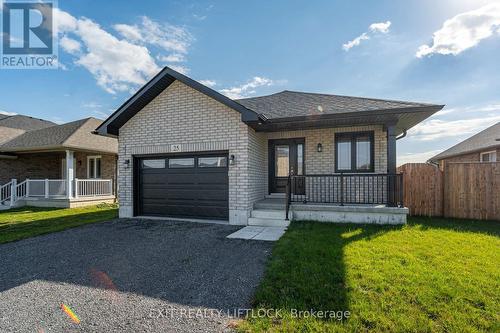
[{"x": 331, "y": 212}]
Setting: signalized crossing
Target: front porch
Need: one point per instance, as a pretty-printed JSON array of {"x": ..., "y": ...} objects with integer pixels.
[{"x": 64, "y": 190}]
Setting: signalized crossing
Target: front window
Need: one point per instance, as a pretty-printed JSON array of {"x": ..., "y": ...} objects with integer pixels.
[
  {"x": 354, "y": 152},
  {"x": 489, "y": 156},
  {"x": 94, "y": 166}
]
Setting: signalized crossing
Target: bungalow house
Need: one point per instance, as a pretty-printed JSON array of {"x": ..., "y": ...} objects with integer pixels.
[
  {"x": 186, "y": 151},
  {"x": 45, "y": 164},
  {"x": 481, "y": 147}
]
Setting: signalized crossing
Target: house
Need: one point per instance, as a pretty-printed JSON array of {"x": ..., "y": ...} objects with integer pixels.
[
  {"x": 186, "y": 151},
  {"x": 482, "y": 147},
  {"x": 45, "y": 164}
]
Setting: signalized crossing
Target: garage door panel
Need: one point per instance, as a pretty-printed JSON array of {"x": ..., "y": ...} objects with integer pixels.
[{"x": 197, "y": 192}]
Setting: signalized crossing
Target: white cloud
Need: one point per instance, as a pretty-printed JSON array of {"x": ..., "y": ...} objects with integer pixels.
[
  {"x": 179, "y": 68},
  {"x": 129, "y": 32},
  {"x": 121, "y": 64},
  {"x": 382, "y": 27},
  {"x": 355, "y": 42},
  {"x": 208, "y": 83},
  {"x": 70, "y": 45},
  {"x": 435, "y": 129},
  {"x": 246, "y": 89},
  {"x": 5, "y": 113},
  {"x": 417, "y": 157},
  {"x": 174, "y": 57},
  {"x": 92, "y": 105},
  {"x": 379, "y": 27},
  {"x": 464, "y": 31}
]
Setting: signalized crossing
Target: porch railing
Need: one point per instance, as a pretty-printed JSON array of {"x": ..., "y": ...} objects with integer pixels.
[
  {"x": 54, "y": 188},
  {"x": 371, "y": 189},
  {"x": 93, "y": 187}
]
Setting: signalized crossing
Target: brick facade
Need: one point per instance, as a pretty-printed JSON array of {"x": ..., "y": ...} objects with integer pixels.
[
  {"x": 183, "y": 116},
  {"x": 470, "y": 157},
  {"x": 49, "y": 165}
]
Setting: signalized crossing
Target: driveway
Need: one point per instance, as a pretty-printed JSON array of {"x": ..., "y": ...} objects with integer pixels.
[{"x": 129, "y": 276}]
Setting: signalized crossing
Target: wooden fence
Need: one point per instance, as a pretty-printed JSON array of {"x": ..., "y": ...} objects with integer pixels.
[{"x": 468, "y": 190}]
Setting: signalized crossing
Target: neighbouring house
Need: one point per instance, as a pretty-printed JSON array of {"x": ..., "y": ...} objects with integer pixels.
[
  {"x": 187, "y": 151},
  {"x": 482, "y": 147},
  {"x": 45, "y": 164}
]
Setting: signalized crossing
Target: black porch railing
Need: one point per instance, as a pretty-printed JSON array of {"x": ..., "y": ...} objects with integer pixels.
[{"x": 365, "y": 189}]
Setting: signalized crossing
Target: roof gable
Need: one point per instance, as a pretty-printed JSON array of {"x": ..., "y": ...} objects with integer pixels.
[{"x": 153, "y": 88}]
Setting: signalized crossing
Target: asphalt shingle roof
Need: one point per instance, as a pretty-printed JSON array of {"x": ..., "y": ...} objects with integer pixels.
[
  {"x": 488, "y": 138},
  {"x": 23, "y": 122},
  {"x": 298, "y": 104}
]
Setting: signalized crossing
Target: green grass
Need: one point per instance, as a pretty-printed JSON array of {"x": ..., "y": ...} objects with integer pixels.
[
  {"x": 432, "y": 275},
  {"x": 24, "y": 222}
]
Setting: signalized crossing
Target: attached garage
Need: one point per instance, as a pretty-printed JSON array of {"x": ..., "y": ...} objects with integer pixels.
[{"x": 190, "y": 185}]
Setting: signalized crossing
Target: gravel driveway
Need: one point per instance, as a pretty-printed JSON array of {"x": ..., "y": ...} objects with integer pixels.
[{"x": 129, "y": 276}]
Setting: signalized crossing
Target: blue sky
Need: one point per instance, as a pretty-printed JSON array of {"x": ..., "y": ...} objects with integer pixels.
[{"x": 443, "y": 52}]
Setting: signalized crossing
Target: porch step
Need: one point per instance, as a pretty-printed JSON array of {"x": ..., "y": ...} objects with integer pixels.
[
  {"x": 270, "y": 204},
  {"x": 265, "y": 222},
  {"x": 276, "y": 196},
  {"x": 268, "y": 214}
]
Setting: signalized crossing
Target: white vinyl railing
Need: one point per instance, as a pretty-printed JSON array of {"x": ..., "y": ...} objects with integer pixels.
[
  {"x": 54, "y": 188},
  {"x": 5, "y": 192},
  {"x": 93, "y": 187}
]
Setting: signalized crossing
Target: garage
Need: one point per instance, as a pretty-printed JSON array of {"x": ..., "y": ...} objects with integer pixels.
[{"x": 192, "y": 186}]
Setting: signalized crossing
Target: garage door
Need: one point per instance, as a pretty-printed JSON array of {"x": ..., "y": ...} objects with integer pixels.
[{"x": 193, "y": 186}]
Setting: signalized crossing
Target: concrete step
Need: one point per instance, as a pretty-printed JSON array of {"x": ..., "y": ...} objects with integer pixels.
[
  {"x": 256, "y": 221},
  {"x": 268, "y": 214},
  {"x": 276, "y": 196},
  {"x": 270, "y": 204}
]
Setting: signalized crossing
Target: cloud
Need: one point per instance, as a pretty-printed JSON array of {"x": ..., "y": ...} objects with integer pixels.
[
  {"x": 247, "y": 89},
  {"x": 355, "y": 42},
  {"x": 436, "y": 129},
  {"x": 417, "y": 157},
  {"x": 179, "y": 68},
  {"x": 464, "y": 31},
  {"x": 121, "y": 64},
  {"x": 382, "y": 27},
  {"x": 5, "y": 113},
  {"x": 174, "y": 57},
  {"x": 92, "y": 105},
  {"x": 379, "y": 27},
  {"x": 70, "y": 45},
  {"x": 208, "y": 83}
]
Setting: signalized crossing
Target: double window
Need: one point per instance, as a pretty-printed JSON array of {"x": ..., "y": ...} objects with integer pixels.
[
  {"x": 354, "y": 152},
  {"x": 94, "y": 167},
  {"x": 489, "y": 156}
]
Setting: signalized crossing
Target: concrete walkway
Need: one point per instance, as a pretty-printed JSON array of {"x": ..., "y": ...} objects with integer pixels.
[{"x": 259, "y": 233}]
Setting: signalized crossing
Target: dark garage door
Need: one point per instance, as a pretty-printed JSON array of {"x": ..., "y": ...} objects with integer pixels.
[{"x": 183, "y": 186}]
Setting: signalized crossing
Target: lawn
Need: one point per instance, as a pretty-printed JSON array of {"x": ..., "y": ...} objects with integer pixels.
[
  {"x": 432, "y": 275},
  {"x": 24, "y": 222}
]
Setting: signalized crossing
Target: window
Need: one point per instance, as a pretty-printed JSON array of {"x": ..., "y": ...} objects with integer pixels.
[
  {"x": 94, "y": 166},
  {"x": 489, "y": 156},
  {"x": 212, "y": 162},
  {"x": 300, "y": 159},
  {"x": 181, "y": 163},
  {"x": 153, "y": 164},
  {"x": 354, "y": 152},
  {"x": 282, "y": 163}
]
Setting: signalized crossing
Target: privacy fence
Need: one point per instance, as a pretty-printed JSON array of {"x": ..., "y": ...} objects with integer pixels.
[{"x": 469, "y": 190}]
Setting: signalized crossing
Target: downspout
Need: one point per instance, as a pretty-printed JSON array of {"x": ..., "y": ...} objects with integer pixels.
[{"x": 402, "y": 135}]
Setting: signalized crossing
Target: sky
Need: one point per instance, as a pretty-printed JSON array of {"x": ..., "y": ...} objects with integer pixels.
[{"x": 439, "y": 51}]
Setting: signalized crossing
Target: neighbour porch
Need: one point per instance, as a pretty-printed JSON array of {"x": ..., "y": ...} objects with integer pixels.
[{"x": 58, "y": 185}]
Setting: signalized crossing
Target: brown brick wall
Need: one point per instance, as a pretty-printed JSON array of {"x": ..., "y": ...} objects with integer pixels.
[
  {"x": 41, "y": 166},
  {"x": 471, "y": 157}
]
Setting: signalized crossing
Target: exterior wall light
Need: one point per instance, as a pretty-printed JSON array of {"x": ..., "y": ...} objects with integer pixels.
[
  {"x": 231, "y": 160},
  {"x": 319, "y": 148},
  {"x": 127, "y": 163}
]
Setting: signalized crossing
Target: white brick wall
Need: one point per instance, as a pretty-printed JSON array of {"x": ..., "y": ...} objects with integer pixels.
[{"x": 182, "y": 115}]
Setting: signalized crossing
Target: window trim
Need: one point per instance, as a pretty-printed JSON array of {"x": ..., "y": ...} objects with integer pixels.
[
  {"x": 353, "y": 136},
  {"x": 94, "y": 157},
  {"x": 488, "y": 152}
]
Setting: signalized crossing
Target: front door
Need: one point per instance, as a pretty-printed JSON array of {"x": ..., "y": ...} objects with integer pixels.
[{"x": 286, "y": 156}]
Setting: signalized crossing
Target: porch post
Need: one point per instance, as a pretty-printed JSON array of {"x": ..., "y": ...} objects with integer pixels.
[
  {"x": 391, "y": 164},
  {"x": 70, "y": 174}
]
